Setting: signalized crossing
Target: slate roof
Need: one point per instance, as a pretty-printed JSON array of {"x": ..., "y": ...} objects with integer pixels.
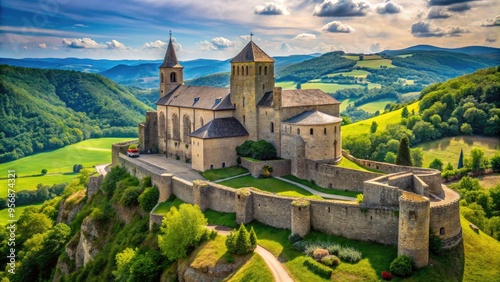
[
  {"x": 298, "y": 98},
  {"x": 170, "y": 60},
  {"x": 252, "y": 53},
  {"x": 220, "y": 128},
  {"x": 198, "y": 97},
  {"x": 313, "y": 118}
]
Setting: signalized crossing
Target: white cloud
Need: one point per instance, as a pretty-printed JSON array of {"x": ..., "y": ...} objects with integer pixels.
[
  {"x": 217, "y": 43},
  {"x": 426, "y": 29},
  {"x": 271, "y": 9},
  {"x": 438, "y": 13},
  {"x": 491, "y": 22},
  {"x": 342, "y": 8},
  {"x": 158, "y": 44},
  {"x": 114, "y": 44},
  {"x": 305, "y": 36},
  {"x": 337, "y": 27},
  {"x": 83, "y": 43},
  {"x": 388, "y": 7},
  {"x": 42, "y": 45}
]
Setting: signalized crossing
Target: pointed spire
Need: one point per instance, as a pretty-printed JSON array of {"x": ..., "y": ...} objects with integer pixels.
[
  {"x": 170, "y": 60},
  {"x": 252, "y": 53}
]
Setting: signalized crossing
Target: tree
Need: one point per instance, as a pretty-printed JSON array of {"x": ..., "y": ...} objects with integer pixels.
[
  {"x": 495, "y": 162},
  {"x": 390, "y": 157},
  {"x": 53, "y": 246},
  {"x": 495, "y": 195},
  {"x": 44, "y": 171},
  {"x": 417, "y": 156},
  {"x": 149, "y": 198},
  {"x": 494, "y": 226},
  {"x": 253, "y": 238},
  {"x": 31, "y": 223},
  {"x": 405, "y": 113},
  {"x": 448, "y": 167},
  {"x": 461, "y": 159},
  {"x": 404, "y": 157},
  {"x": 477, "y": 159},
  {"x": 123, "y": 263},
  {"x": 373, "y": 127},
  {"x": 241, "y": 241},
  {"x": 466, "y": 129},
  {"x": 436, "y": 164},
  {"x": 358, "y": 146},
  {"x": 181, "y": 230}
]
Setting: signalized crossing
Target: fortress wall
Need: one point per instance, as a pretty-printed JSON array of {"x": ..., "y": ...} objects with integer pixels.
[
  {"x": 118, "y": 148},
  {"x": 375, "y": 193},
  {"x": 280, "y": 167},
  {"x": 183, "y": 189},
  {"x": 378, "y": 224},
  {"x": 447, "y": 217},
  {"x": 330, "y": 176},
  {"x": 272, "y": 210},
  {"x": 220, "y": 198},
  {"x": 420, "y": 187}
]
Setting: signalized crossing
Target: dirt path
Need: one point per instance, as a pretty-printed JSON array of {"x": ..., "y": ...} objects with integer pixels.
[{"x": 277, "y": 269}]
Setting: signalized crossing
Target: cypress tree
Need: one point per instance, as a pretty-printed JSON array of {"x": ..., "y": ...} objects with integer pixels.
[
  {"x": 404, "y": 157},
  {"x": 405, "y": 113},
  {"x": 253, "y": 238},
  {"x": 242, "y": 241},
  {"x": 461, "y": 159}
]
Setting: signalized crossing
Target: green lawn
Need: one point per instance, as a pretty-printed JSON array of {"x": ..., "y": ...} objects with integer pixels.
[
  {"x": 255, "y": 269},
  {"x": 363, "y": 127},
  {"x": 164, "y": 208},
  {"x": 321, "y": 189},
  {"x": 221, "y": 173},
  {"x": 272, "y": 185},
  {"x": 448, "y": 149},
  {"x": 286, "y": 84},
  {"x": 375, "y": 64},
  {"x": 345, "y": 103},
  {"x": 378, "y": 105},
  {"x": 355, "y": 73},
  {"x": 30, "y": 183},
  {"x": 4, "y": 214},
  {"x": 333, "y": 87},
  {"x": 346, "y": 163},
  {"x": 88, "y": 153}
]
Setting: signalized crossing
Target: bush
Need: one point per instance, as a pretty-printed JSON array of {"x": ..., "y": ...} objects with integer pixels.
[
  {"x": 435, "y": 243},
  {"x": 436, "y": 164},
  {"x": 241, "y": 241},
  {"x": 334, "y": 249},
  {"x": 44, "y": 171},
  {"x": 130, "y": 197},
  {"x": 109, "y": 182},
  {"x": 245, "y": 149},
  {"x": 318, "y": 268},
  {"x": 386, "y": 275},
  {"x": 495, "y": 162},
  {"x": 263, "y": 150},
  {"x": 77, "y": 168},
  {"x": 330, "y": 260},
  {"x": 402, "y": 266},
  {"x": 360, "y": 198},
  {"x": 294, "y": 238},
  {"x": 149, "y": 198},
  {"x": 350, "y": 254},
  {"x": 318, "y": 254}
]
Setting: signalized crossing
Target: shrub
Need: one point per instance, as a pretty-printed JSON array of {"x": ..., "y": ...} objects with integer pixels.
[
  {"x": 435, "y": 242},
  {"x": 334, "y": 249},
  {"x": 132, "y": 146},
  {"x": 149, "y": 198},
  {"x": 350, "y": 254},
  {"x": 318, "y": 268},
  {"x": 263, "y": 150},
  {"x": 330, "y": 260},
  {"x": 318, "y": 254},
  {"x": 386, "y": 275},
  {"x": 359, "y": 198},
  {"x": 130, "y": 197},
  {"x": 294, "y": 238},
  {"x": 402, "y": 266},
  {"x": 241, "y": 241},
  {"x": 436, "y": 164},
  {"x": 116, "y": 174},
  {"x": 44, "y": 171},
  {"x": 245, "y": 149},
  {"x": 495, "y": 162}
]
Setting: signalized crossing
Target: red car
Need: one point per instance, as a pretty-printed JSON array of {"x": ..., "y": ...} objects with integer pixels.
[{"x": 133, "y": 153}]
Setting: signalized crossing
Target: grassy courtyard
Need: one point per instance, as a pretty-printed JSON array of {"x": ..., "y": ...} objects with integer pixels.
[{"x": 221, "y": 173}]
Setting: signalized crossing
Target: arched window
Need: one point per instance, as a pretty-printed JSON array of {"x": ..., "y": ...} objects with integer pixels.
[
  {"x": 298, "y": 131},
  {"x": 311, "y": 131},
  {"x": 246, "y": 69},
  {"x": 162, "y": 124},
  {"x": 173, "y": 77},
  {"x": 260, "y": 70},
  {"x": 265, "y": 70},
  {"x": 186, "y": 128},
  {"x": 243, "y": 102},
  {"x": 237, "y": 70},
  {"x": 233, "y": 71},
  {"x": 176, "y": 135},
  {"x": 201, "y": 121},
  {"x": 335, "y": 149},
  {"x": 162, "y": 78},
  {"x": 324, "y": 131},
  {"x": 272, "y": 127},
  {"x": 441, "y": 231}
]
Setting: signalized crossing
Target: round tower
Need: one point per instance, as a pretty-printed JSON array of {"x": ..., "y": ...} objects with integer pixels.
[{"x": 413, "y": 235}]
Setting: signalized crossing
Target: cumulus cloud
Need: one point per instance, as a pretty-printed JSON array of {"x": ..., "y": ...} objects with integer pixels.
[
  {"x": 491, "y": 22},
  {"x": 375, "y": 47},
  {"x": 342, "y": 8},
  {"x": 337, "y": 27},
  {"x": 388, "y": 7},
  {"x": 438, "y": 13},
  {"x": 459, "y": 8},
  {"x": 217, "y": 43},
  {"x": 446, "y": 2},
  {"x": 158, "y": 44},
  {"x": 425, "y": 29},
  {"x": 83, "y": 43},
  {"x": 42, "y": 45},
  {"x": 114, "y": 44},
  {"x": 271, "y": 9},
  {"x": 305, "y": 36}
]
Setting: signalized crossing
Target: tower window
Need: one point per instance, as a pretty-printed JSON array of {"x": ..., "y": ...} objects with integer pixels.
[
  {"x": 441, "y": 231},
  {"x": 162, "y": 77},
  {"x": 237, "y": 70},
  {"x": 298, "y": 131},
  {"x": 233, "y": 71},
  {"x": 335, "y": 130},
  {"x": 265, "y": 70},
  {"x": 173, "y": 77},
  {"x": 243, "y": 119},
  {"x": 260, "y": 70},
  {"x": 243, "y": 102},
  {"x": 311, "y": 131},
  {"x": 324, "y": 131},
  {"x": 272, "y": 127},
  {"x": 246, "y": 70}
]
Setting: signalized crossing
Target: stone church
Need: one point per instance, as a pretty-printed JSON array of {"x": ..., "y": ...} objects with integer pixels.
[{"x": 204, "y": 125}]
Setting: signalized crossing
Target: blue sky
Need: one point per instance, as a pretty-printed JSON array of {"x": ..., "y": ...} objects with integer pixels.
[{"x": 138, "y": 29}]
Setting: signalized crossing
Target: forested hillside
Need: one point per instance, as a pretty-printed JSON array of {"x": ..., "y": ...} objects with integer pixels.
[{"x": 48, "y": 109}]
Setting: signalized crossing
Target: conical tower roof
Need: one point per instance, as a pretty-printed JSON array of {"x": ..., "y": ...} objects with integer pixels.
[
  {"x": 252, "y": 53},
  {"x": 170, "y": 60}
]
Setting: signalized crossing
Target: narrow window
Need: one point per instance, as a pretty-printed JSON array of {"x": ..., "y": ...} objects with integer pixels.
[
  {"x": 173, "y": 78},
  {"x": 272, "y": 127},
  {"x": 243, "y": 119},
  {"x": 233, "y": 71},
  {"x": 335, "y": 131},
  {"x": 311, "y": 131},
  {"x": 211, "y": 166},
  {"x": 246, "y": 70},
  {"x": 324, "y": 131},
  {"x": 162, "y": 77},
  {"x": 243, "y": 102},
  {"x": 201, "y": 121},
  {"x": 298, "y": 131},
  {"x": 260, "y": 70},
  {"x": 265, "y": 70},
  {"x": 441, "y": 231},
  {"x": 237, "y": 70},
  {"x": 223, "y": 165}
]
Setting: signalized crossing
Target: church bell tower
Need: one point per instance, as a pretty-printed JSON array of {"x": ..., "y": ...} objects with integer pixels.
[{"x": 171, "y": 72}]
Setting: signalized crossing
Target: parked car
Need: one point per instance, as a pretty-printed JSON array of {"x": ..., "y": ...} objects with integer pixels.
[{"x": 133, "y": 152}]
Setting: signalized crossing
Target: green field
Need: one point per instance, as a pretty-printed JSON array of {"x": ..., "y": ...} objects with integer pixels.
[
  {"x": 375, "y": 64},
  {"x": 333, "y": 87},
  {"x": 404, "y": 55},
  {"x": 88, "y": 153},
  {"x": 286, "y": 84},
  {"x": 363, "y": 127},
  {"x": 448, "y": 149},
  {"x": 355, "y": 73},
  {"x": 4, "y": 214},
  {"x": 365, "y": 57},
  {"x": 221, "y": 173},
  {"x": 30, "y": 183},
  {"x": 379, "y": 105}
]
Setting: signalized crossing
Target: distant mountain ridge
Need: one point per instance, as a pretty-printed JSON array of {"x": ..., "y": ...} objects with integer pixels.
[{"x": 471, "y": 50}]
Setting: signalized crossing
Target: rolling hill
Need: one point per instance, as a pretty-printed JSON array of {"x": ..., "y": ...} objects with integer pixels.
[
  {"x": 48, "y": 109},
  {"x": 471, "y": 50}
]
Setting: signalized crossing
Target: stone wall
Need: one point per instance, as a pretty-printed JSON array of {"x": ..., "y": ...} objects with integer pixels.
[
  {"x": 183, "y": 189},
  {"x": 445, "y": 222},
  {"x": 378, "y": 192},
  {"x": 94, "y": 184},
  {"x": 280, "y": 167},
  {"x": 220, "y": 198},
  {"x": 271, "y": 209}
]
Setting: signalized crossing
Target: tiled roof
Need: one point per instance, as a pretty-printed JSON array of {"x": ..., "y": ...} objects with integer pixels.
[
  {"x": 220, "y": 128},
  {"x": 313, "y": 118},
  {"x": 252, "y": 53},
  {"x": 297, "y": 98},
  {"x": 198, "y": 97},
  {"x": 170, "y": 60}
]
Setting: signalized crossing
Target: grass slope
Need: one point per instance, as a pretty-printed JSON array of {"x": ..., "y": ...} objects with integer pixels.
[
  {"x": 221, "y": 173},
  {"x": 448, "y": 149},
  {"x": 255, "y": 269},
  {"x": 88, "y": 153},
  {"x": 375, "y": 64},
  {"x": 378, "y": 105},
  {"x": 30, "y": 183}
]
